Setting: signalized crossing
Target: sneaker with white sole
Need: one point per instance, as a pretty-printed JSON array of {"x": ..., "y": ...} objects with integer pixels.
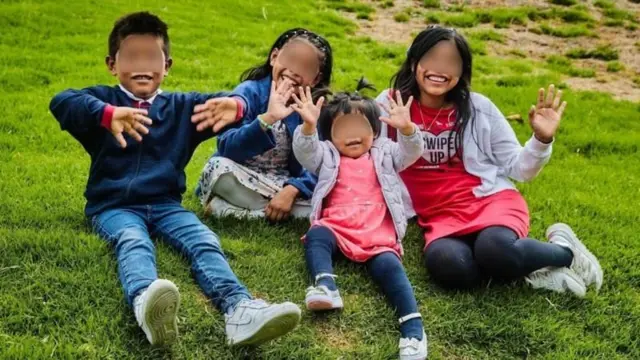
[
  {"x": 584, "y": 262},
  {"x": 156, "y": 311},
  {"x": 253, "y": 322},
  {"x": 413, "y": 349},
  {"x": 558, "y": 279},
  {"x": 320, "y": 298}
]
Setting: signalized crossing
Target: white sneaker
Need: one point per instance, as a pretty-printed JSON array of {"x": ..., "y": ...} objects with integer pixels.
[
  {"x": 413, "y": 349},
  {"x": 557, "y": 279},
  {"x": 584, "y": 262},
  {"x": 220, "y": 208},
  {"x": 321, "y": 298},
  {"x": 156, "y": 311},
  {"x": 255, "y": 321}
]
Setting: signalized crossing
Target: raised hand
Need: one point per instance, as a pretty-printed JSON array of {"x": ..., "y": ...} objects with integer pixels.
[
  {"x": 278, "y": 99},
  {"x": 129, "y": 120},
  {"x": 215, "y": 113},
  {"x": 545, "y": 116},
  {"x": 399, "y": 114},
  {"x": 307, "y": 110}
]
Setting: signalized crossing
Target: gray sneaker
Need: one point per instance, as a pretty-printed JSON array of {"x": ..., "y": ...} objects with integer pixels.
[
  {"x": 256, "y": 321},
  {"x": 557, "y": 279},
  {"x": 320, "y": 298},
  {"x": 584, "y": 262},
  {"x": 156, "y": 311}
]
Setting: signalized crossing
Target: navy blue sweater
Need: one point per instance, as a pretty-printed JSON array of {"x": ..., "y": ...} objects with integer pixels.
[
  {"x": 248, "y": 140},
  {"x": 143, "y": 173}
]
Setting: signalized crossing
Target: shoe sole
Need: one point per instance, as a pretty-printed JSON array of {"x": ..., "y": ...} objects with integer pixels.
[
  {"x": 322, "y": 304},
  {"x": 160, "y": 317},
  {"x": 273, "y": 328},
  {"x": 579, "y": 246}
]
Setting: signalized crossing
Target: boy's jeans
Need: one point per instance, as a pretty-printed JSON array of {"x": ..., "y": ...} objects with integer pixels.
[{"x": 129, "y": 229}]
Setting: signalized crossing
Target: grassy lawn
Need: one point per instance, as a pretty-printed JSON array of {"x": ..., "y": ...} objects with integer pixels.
[{"x": 59, "y": 292}]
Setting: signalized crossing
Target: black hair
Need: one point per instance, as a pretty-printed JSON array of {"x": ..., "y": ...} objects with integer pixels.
[
  {"x": 405, "y": 79},
  {"x": 322, "y": 88},
  {"x": 348, "y": 103},
  {"x": 139, "y": 23}
]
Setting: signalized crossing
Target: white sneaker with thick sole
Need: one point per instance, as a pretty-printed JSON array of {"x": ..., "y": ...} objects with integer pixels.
[
  {"x": 320, "y": 298},
  {"x": 558, "y": 279},
  {"x": 156, "y": 311},
  {"x": 584, "y": 262},
  {"x": 413, "y": 349},
  {"x": 253, "y": 322}
]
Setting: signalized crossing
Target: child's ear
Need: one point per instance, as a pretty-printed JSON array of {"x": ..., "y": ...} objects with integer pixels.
[
  {"x": 273, "y": 56},
  {"x": 167, "y": 65},
  {"x": 111, "y": 65}
]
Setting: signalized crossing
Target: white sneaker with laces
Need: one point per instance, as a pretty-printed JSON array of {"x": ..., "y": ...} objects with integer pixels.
[
  {"x": 255, "y": 321},
  {"x": 320, "y": 298},
  {"x": 584, "y": 262},
  {"x": 413, "y": 349},
  {"x": 156, "y": 311},
  {"x": 557, "y": 279}
]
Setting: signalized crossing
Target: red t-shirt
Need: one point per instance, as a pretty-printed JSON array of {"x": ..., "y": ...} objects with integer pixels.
[{"x": 442, "y": 190}]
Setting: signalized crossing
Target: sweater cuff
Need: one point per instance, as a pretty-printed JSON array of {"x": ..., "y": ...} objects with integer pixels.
[
  {"x": 107, "y": 116},
  {"x": 240, "y": 107},
  {"x": 538, "y": 146}
]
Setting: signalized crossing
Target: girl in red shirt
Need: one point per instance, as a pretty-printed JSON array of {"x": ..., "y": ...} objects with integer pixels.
[{"x": 475, "y": 221}]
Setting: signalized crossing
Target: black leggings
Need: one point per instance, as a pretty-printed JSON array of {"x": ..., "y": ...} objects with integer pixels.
[{"x": 496, "y": 251}]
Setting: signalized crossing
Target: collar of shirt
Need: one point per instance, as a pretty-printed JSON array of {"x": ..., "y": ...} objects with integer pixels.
[{"x": 135, "y": 98}]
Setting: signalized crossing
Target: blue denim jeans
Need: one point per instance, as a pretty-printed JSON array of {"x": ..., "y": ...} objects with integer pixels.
[{"x": 129, "y": 230}]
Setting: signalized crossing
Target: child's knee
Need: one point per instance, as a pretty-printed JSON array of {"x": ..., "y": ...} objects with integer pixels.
[
  {"x": 494, "y": 248},
  {"x": 385, "y": 264},
  {"x": 131, "y": 238},
  {"x": 452, "y": 267}
]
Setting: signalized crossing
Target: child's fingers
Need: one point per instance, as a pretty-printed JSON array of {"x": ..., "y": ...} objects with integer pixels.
[
  {"x": 199, "y": 108},
  {"x": 561, "y": 108},
  {"x": 288, "y": 93},
  {"x": 392, "y": 102},
  {"x": 141, "y": 128},
  {"x": 320, "y": 102},
  {"x": 140, "y": 111},
  {"x": 540, "y": 102},
  {"x": 303, "y": 96},
  {"x": 134, "y": 134},
  {"x": 273, "y": 86},
  {"x": 121, "y": 141},
  {"x": 221, "y": 124},
  {"x": 385, "y": 107},
  {"x": 385, "y": 119},
  {"x": 532, "y": 112},
  {"x": 556, "y": 100},
  {"x": 200, "y": 117},
  {"x": 409, "y": 102},
  {"x": 549, "y": 101},
  {"x": 143, "y": 119},
  {"x": 297, "y": 100},
  {"x": 268, "y": 211},
  {"x": 399, "y": 98},
  {"x": 309, "y": 97}
]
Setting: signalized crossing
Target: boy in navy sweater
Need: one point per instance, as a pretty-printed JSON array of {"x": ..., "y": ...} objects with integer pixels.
[{"x": 140, "y": 139}]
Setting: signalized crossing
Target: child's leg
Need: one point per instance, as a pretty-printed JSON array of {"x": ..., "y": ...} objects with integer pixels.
[
  {"x": 388, "y": 273},
  {"x": 451, "y": 264},
  {"x": 126, "y": 230},
  {"x": 500, "y": 253},
  {"x": 320, "y": 246},
  {"x": 183, "y": 230}
]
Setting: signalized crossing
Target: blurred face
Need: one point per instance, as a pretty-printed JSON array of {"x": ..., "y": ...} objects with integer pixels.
[
  {"x": 352, "y": 135},
  {"x": 140, "y": 64},
  {"x": 439, "y": 69},
  {"x": 298, "y": 61}
]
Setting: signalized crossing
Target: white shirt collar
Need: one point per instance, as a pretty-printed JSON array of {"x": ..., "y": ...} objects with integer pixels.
[{"x": 135, "y": 98}]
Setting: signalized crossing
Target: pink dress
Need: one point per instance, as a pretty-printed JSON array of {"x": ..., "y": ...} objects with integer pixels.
[{"x": 356, "y": 212}]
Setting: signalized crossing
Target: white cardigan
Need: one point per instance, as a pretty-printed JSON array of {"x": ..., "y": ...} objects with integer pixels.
[{"x": 492, "y": 151}]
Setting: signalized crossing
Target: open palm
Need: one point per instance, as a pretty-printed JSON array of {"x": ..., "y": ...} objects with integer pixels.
[
  {"x": 278, "y": 99},
  {"x": 399, "y": 114},
  {"x": 309, "y": 112},
  {"x": 545, "y": 116}
]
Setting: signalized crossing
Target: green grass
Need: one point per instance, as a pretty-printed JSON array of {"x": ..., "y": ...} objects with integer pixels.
[
  {"x": 602, "y": 52},
  {"x": 563, "y": 2},
  {"x": 402, "y": 17},
  {"x": 604, "y": 4},
  {"x": 461, "y": 20},
  {"x": 614, "y": 66},
  {"x": 564, "y": 65},
  {"x": 431, "y": 4},
  {"x": 565, "y": 31},
  {"x": 488, "y": 35},
  {"x": 61, "y": 297}
]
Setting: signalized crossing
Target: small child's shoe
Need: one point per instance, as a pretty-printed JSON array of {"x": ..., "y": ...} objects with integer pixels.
[
  {"x": 156, "y": 311},
  {"x": 321, "y": 298},
  {"x": 560, "y": 280},
  {"x": 253, "y": 322},
  {"x": 413, "y": 349}
]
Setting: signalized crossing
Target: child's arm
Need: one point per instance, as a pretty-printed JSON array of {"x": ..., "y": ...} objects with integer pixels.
[
  {"x": 525, "y": 163},
  {"x": 83, "y": 111},
  {"x": 203, "y": 125},
  {"x": 305, "y": 182},
  {"x": 410, "y": 145},
  {"x": 254, "y": 137},
  {"x": 307, "y": 147}
]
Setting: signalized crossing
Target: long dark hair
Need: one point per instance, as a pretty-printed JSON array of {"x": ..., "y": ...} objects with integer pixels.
[
  {"x": 348, "y": 103},
  {"x": 405, "y": 79},
  {"x": 263, "y": 70}
]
